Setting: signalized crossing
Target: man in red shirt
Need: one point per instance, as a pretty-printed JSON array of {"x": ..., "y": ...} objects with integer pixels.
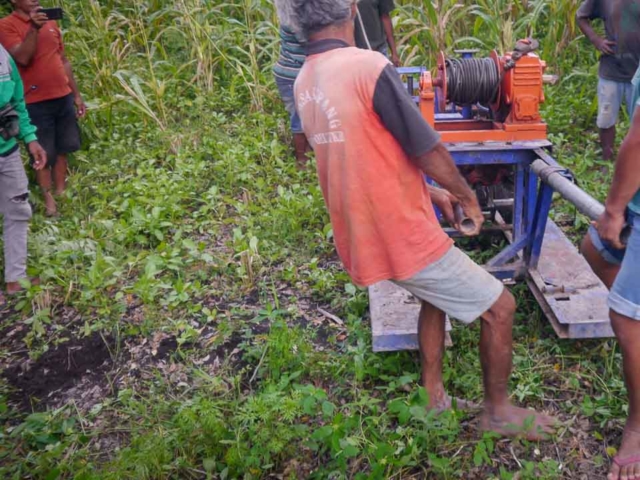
[
  {"x": 51, "y": 92},
  {"x": 373, "y": 148}
]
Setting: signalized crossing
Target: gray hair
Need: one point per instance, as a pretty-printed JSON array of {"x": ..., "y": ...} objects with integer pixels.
[
  {"x": 309, "y": 16},
  {"x": 285, "y": 13}
]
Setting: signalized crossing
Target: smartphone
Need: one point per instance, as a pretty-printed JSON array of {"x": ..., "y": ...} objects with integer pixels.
[{"x": 52, "y": 13}]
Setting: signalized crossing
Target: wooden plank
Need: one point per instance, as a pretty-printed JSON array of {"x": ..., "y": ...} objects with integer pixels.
[
  {"x": 394, "y": 318},
  {"x": 571, "y": 295}
]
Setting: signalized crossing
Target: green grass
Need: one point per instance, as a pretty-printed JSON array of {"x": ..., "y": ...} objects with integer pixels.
[{"x": 192, "y": 245}]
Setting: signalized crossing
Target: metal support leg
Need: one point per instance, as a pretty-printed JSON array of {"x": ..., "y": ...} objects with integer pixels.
[{"x": 536, "y": 235}]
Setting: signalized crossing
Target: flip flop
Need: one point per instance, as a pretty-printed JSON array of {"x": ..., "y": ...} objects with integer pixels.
[{"x": 625, "y": 462}]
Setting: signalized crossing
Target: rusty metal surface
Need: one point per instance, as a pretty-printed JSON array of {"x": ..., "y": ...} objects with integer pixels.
[{"x": 570, "y": 294}]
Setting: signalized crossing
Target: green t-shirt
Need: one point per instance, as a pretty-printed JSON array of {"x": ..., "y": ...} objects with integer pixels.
[{"x": 635, "y": 203}]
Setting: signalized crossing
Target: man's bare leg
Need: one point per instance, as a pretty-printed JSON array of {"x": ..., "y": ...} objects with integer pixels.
[
  {"x": 607, "y": 142},
  {"x": 301, "y": 147},
  {"x": 43, "y": 177},
  {"x": 496, "y": 351},
  {"x": 60, "y": 170},
  {"x": 628, "y": 333},
  {"x": 607, "y": 272},
  {"x": 431, "y": 338}
]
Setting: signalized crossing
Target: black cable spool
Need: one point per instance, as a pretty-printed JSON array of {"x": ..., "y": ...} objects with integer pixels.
[{"x": 472, "y": 80}]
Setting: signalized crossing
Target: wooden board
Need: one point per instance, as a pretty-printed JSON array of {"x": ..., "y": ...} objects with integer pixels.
[{"x": 571, "y": 296}]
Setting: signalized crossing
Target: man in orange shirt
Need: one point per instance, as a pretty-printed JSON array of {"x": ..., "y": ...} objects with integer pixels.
[
  {"x": 53, "y": 99},
  {"x": 373, "y": 148}
]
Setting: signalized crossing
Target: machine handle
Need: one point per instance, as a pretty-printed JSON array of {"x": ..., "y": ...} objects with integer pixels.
[
  {"x": 466, "y": 224},
  {"x": 585, "y": 203}
]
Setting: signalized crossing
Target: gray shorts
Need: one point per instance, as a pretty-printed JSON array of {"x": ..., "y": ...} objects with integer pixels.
[{"x": 456, "y": 285}]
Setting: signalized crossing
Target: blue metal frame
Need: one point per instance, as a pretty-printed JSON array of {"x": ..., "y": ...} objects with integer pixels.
[
  {"x": 532, "y": 202},
  {"x": 532, "y": 198}
]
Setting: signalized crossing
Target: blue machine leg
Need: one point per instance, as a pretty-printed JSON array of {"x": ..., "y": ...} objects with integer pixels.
[
  {"x": 536, "y": 235},
  {"x": 519, "y": 203}
]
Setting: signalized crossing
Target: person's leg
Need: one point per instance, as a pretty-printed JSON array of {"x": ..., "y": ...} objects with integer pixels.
[
  {"x": 44, "y": 178},
  {"x": 67, "y": 139},
  {"x": 624, "y": 302},
  {"x": 627, "y": 462},
  {"x": 300, "y": 143},
  {"x": 14, "y": 204},
  {"x": 604, "y": 262},
  {"x": 432, "y": 339},
  {"x": 496, "y": 342},
  {"x": 44, "y": 121},
  {"x": 609, "y": 102},
  {"x": 463, "y": 289},
  {"x": 59, "y": 170},
  {"x": 431, "y": 333}
]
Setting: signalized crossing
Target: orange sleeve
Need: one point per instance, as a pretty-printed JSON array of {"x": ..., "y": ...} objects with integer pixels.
[{"x": 9, "y": 35}]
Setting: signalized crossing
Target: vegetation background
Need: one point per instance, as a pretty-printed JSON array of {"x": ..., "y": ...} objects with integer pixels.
[{"x": 194, "y": 321}]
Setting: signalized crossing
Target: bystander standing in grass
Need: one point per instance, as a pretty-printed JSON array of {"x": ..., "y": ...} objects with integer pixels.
[
  {"x": 374, "y": 28},
  {"x": 373, "y": 148},
  {"x": 286, "y": 71},
  {"x": 14, "y": 186},
  {"x": 619, "y": 268},
  {"x": 620, "y": 48},
  {"x": 53, "y": 99}
]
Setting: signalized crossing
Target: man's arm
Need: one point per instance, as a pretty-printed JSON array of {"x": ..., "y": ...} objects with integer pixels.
[
  {"x": 626, "y": 183},
  {"x": 588, "y": 11},
  {"x": 388, "y": 29},
  {"x": 80, "y": 106},
  {"x": 420, "y": 142},
  {"x": 27, "y": 130},
  {"x": 24, "y": 52}
]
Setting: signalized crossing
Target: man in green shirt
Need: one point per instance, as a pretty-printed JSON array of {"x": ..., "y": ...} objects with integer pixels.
[
  {"x": 374, "y": 29},
  {"x": 619, "y": 268},
  {"x": 14, "y": 186}
]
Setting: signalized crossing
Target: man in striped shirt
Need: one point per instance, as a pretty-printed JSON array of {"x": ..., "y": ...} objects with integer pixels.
[{"x": 286, "y": 69}]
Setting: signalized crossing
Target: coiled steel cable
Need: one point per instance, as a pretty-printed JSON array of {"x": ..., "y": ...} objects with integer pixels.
[{"x": 472, "y": 80}]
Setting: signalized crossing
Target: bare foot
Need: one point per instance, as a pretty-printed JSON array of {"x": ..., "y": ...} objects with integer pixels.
[
  {"x": 51, "y": 209},
  {"x": 626, "y": 464},
  {"x": 15, "y": 287},
  {"x": 511, "y": 421}
]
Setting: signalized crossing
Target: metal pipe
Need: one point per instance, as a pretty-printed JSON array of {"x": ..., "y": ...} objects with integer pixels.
[{"x": 585, "y": 203}]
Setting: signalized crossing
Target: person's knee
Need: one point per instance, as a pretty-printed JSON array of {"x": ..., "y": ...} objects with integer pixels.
[
  {"x": 18, "y": 208},
  {"x": 503, "y": 311}
]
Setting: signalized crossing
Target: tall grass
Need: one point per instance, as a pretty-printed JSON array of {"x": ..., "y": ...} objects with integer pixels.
[
  {"x": 150, "y": 55},
  {"x": 428, "y": 26}
]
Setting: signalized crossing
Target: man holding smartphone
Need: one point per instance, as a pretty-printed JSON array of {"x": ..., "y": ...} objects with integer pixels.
[{"x": 51, "y": 93}]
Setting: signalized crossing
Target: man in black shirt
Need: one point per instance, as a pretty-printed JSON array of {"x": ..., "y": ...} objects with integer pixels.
[
  {"x": 620, "y": 50},
  {"x": 374, "y": 29}
]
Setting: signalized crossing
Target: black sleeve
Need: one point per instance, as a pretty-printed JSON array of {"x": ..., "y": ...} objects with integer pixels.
[
  {"x": 401, "y": 116},
  {"x": 590, "y": 9},
  {"x": 386, "y": 7}
]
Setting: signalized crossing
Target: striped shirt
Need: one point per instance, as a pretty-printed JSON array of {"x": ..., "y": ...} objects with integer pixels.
[{"x": 292, "y": 55}]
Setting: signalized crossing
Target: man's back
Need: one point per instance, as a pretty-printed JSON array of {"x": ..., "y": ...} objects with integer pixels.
[{"x": 384, "y": 224}]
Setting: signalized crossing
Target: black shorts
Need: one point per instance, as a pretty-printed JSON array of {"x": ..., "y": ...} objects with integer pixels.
[{"x": 57, "y": 125}]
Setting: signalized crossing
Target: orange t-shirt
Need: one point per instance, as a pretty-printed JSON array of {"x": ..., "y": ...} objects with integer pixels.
[
  {"x": 364, "y": 130},
  {"x": 45, "y": 78}
]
